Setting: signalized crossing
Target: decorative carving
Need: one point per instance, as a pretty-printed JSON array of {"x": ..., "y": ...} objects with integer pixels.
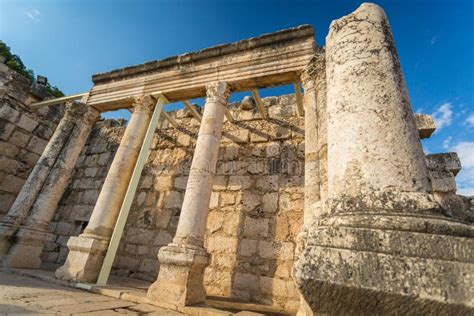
[{"x": 219, "y": 90}]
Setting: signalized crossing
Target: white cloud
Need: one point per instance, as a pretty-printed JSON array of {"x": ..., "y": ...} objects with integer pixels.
[
  {"x": 433, "y": 40},
  {"x": 470, "y": 120},
  {"x": 443, "y": 116},
  {"x": 33, "y": 14},
  {"x": 446, "y": 142},
  {"x": 465, "y": 178}
]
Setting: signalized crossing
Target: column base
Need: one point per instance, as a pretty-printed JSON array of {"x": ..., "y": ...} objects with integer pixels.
[
  {"x": 181, "y": 275},
  {"x": 7, "y": 238},
  {"x": 25, "y": 251},
  {"x": 376, "y": 262},
  {"x": 84, "y": 261}
]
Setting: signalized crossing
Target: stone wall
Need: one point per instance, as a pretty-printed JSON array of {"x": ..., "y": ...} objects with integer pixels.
[
  {"x": 24, "y": 133},
  {"x": 256, "y": 207}
]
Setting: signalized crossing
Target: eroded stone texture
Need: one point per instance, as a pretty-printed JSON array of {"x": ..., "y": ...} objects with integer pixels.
[
  {"x": 181, "y": 278},
  {"x": 425, "y": 125},
  {"x": 378, "y": 247},
  {"x": 82, "y": 262},
  {"x": 31, "y": 237}
]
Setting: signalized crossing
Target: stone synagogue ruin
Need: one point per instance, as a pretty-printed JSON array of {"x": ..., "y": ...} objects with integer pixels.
[{"x": 317, "y": 202}]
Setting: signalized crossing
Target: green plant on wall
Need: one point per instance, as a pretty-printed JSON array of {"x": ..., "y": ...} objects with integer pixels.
[{"x": 14, "y": 62}]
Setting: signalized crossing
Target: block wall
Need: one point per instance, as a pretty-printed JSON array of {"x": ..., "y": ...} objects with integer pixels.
[
  {"x": 256, "y": 207},
  {"x": 24, "y": 133}
]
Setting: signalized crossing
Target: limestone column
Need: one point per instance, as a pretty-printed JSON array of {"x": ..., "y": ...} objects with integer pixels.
[
  {"x": 32, "y": 236},
  {"x": 32, "y": 187},
  {"x": 315, "y": 177},
  {"x": 182, "y": 262},
  {"x": 87, "y": 251},
  {"x": 382, "y": 245}
]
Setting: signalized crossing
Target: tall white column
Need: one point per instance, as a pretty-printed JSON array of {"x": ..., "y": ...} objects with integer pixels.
[
  {"x": 32, "y": 187},
  {"x": 381, "y": 245},
  {"x": 87, "y": 251},
  {"x": 182, "y": 262},
  {"x": 31, "y": 237}
]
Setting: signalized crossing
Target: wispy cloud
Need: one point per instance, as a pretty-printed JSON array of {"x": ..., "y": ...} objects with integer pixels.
[
  {"x": 447, "y": 142},
  {"x": 465, "y": 178},
  {"x": 470, "y": 120},
  {"x": 33, "y": 14},
  {"x": 433, "y": 40},
  {"x": 443, "y": 116}
]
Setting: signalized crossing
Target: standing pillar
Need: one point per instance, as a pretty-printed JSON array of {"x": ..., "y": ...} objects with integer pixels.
[
  {"x": 32, "y": 236},
  {"x": 315, "y": 177},
  {"x": 382, "y": 245},
  {"x": 182, "y": 262},
  {"x": 87, "y": 251},
  {"x": 32, "y": 187}
]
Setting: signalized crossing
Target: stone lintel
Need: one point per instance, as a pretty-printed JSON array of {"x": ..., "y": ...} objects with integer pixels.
[
  {"x": 271, "y": 59},
  {"x": 425, "y": 125}
]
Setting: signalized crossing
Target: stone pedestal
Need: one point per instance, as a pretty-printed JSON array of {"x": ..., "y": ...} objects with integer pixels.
[
  {"x": 383, "y": 245},
  {"x": 85, "y": 256},
  {"x": 182, "y": 263}
]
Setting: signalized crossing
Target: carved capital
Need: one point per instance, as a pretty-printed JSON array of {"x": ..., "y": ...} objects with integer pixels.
[
  {"x": 315, "y": 71},
  {"x": 217, "y": 90},
  {"x": 144, "y": 103},
  {"x": 78, "y": 111}
]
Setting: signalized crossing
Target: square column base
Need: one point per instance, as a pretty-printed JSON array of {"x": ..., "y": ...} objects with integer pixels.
[
  {"x": 387, "y": 264},
  {"x": 26, "y": 249},
  {"x": 84, "y": 261},
  {"x": 181, "y": 276}
]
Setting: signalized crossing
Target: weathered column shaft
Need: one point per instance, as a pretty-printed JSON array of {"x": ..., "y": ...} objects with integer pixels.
[
  {"x": 31, "y": 188},
  {"x": 87, "y": 251},
  {"x": 34, "y": 233},
  {"x": 382, "y": 244},
  {"x": 109, "y": 202},
  {"x": 373, "y": 142},
  {"x": 182, "y": 262},
  {"x": 314, "y": 85},
  {"x": 193, "y": 217}
]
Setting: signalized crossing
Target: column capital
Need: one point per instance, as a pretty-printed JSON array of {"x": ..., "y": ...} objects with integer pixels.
[
  {"x": 314, "y": 69},
  {"x": 144, "y": 103},
  {"x": 217, "y": 89},
  {"x": 79, "y": 111}
]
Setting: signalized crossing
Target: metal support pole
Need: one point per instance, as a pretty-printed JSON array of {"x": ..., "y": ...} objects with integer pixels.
[
  {"x": 82, "y": 96},
  {"x": 132, "y": 188}
]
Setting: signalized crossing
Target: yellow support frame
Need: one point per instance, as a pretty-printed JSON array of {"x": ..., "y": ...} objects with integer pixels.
[{"x": 132, "y": 188}]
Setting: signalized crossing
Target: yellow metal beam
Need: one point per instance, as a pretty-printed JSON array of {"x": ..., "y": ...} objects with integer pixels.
[
  {"x": 193, "y": 110},
  {"x": 299, "y": 99},
  {"x": 67, "y": 98},
  {"x": 259, "y": 102},
  {"x": 132, "y": 188}
]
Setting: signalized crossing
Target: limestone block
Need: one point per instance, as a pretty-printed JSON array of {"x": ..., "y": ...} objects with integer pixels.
[
  {"x": 220, "y": 183},
  {"x": 8, "y": 149},
  {"x": 425, "y": 125},
  {"x": 11, "y": 183},
  {"x": 214, "y": 201},
  {"x": 8, "y": 113},
  {"x": 445, "y": 162},
  {"x": 104, "y": 158},
  {"x": 20, "y": 139},
  {"x": 258, "y": 137},
  {"x": 163, "y": 183},
  {"x": 27, "y": 123},
  {"x": 248, "y": 247},
  {"x": 256, "y": 227},
  {"x": 220, "y": 244},
  {"x": 442, "y": 181},
  {"x": 6, "y": 129},
  {"x": 146, "y": 182},
  {"x": 37, "y": 145},
  {"x": 268, "y": 183},
  {"x": 215, "y": 221},
  {"x": 173, "y": 199},
  {"x": 231, "y": 152},
  {"x": 238, "y": 136},
  {"x": 227, "y": 199},
  {"x": 239, "y": 183},
  {"x": 270, "y": 202},
  {"x": 183, "y": 140},
  {"x": 250, "y": 201},
  {"x": 246, "y": 281}
]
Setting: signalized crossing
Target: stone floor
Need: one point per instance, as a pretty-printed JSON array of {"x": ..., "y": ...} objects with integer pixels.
[{"x": 21, "y": 295}]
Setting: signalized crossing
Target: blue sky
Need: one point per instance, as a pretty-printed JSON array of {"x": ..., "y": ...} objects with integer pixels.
[{"x": 68, "y": 41}]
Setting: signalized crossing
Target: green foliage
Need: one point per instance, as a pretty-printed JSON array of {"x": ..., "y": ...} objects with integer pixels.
[{"x": 14, "y": 62}]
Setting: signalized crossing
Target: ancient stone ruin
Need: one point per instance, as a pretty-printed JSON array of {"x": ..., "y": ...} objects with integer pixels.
[{"x": 318, "y": 202}]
